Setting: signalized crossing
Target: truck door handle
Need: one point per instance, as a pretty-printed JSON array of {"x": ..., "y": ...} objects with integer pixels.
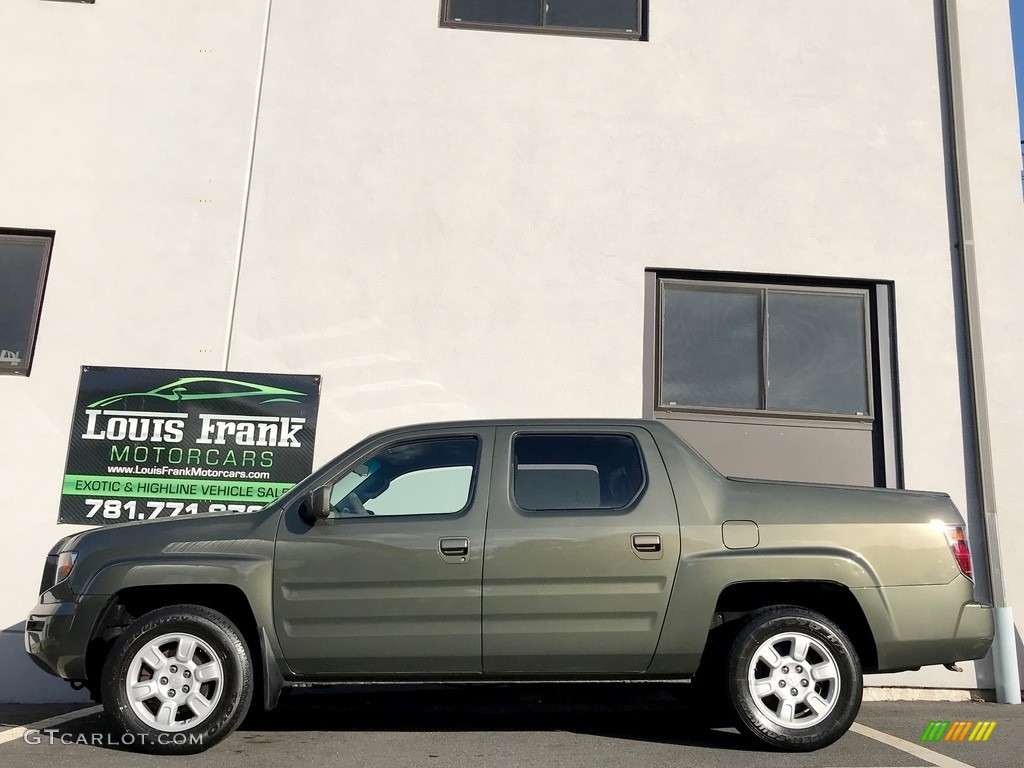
[
  {"x": 647, "y": 542},
  {"x": 454, "y": 547}
]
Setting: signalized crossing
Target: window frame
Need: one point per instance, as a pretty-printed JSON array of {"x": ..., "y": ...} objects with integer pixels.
[
  {"x": 763, "y": 289},
  {"x": 363, "y": 457},
  {"x": 625, "y": 508},
  {"x": 639, "y": 34},
  {"x": 9, "y": 234}
]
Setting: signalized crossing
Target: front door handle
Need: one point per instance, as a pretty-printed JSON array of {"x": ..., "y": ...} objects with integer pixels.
[
  {"x": 647, "y": 542},
  {"x": 457, "y": 546}
]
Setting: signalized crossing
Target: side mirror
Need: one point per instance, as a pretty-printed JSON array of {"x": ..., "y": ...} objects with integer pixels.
[{"x": 319, "y": 503}]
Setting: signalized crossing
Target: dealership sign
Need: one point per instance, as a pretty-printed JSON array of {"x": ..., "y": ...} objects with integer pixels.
[{"x": 148, "y": 442}]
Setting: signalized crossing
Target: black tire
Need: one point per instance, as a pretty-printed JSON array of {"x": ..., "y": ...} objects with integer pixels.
[
  {"x": 193, "y": 697},
  {"x": 812, "y": 694}
]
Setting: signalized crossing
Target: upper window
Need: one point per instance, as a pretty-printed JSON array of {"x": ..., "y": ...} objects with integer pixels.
[
  {"x": 563, "y": 472},
  {"x": 426, "y": 477},
  {"x": 24, "y": 259},
  {"x": 764, "y": 348},
  {"x": 617, "y": 18}
]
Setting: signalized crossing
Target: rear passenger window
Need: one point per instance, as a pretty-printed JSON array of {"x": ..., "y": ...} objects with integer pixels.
[{"x": 560, "y": 472}]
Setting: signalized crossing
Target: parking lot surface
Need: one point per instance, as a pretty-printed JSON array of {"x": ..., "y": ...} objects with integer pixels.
[{"x": 514, "y": 726}]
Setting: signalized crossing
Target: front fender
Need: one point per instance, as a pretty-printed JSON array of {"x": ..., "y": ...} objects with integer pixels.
[{"x": 251, "y": 574}]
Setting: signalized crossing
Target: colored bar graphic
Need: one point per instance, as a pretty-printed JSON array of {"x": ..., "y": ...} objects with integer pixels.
[
  {"x": 958, "y": 730},
  {"x": 982, "y": 731}
]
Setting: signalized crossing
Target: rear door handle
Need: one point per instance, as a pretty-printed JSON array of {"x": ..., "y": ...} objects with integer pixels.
[
  {"x": 457, "y": 546},
  {"x": 647, "y": 542}
]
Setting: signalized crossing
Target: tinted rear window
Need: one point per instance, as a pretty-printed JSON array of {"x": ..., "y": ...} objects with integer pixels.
[{"x": 561, "y": 472}]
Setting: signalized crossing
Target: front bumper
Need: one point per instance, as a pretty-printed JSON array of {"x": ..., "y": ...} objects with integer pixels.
[{"x": 57, "y": 634}]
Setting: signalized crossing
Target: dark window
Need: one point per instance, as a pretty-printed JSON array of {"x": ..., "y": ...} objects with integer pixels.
[
  {"x": 787, "y": 378},
  {"x": 521, "y": 12},
  {"x": 764, "y": 348},
  {"x": 711, "y": 348},
  {"x": 24, "y": 260},
  {"x": 816, "y": 352},
  {"x": 427, "y": 477},
  {"x": 621, "y": 18},
  {"x": 563, "y": 472}
]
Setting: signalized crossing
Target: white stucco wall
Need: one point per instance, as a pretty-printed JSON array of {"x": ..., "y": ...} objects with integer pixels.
[
  {"x": 114, "y": 127},
  {"x": 450, "y": 223}
]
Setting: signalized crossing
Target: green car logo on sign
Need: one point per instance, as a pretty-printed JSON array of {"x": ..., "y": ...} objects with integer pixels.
[{"x": 208, "y": 388}]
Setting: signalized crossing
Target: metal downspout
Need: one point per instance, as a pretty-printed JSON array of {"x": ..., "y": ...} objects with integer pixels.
[
  {"x": 233, "y": 306},
  {"x": 1004, "y": 649}
]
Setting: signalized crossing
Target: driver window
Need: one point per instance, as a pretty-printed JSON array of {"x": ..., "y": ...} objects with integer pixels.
[{"x": 427, "y": 477}]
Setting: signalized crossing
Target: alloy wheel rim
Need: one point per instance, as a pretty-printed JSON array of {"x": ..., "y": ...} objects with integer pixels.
[
  {"x": 174, "y": 682},
  {"x": 794, "y": 680}
]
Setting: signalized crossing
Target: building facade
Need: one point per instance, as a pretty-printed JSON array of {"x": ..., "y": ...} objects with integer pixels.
[{"x": 743, "y": 220}]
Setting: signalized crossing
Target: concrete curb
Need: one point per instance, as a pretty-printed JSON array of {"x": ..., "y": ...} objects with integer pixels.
[{"x": 925, "y": 694}]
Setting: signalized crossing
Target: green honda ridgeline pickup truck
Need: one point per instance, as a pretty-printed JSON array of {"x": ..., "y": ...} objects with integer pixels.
[{"x": 499, "y": 551}]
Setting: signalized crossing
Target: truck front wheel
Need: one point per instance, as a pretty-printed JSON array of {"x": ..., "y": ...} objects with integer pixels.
[
  {"x": 178, "y": 680},
  {"x": 794, "y": 678}
]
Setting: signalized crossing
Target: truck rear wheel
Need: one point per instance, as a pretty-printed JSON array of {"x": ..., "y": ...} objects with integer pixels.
[
  {"x": 795, "y": 681},
  {"x": 178, "y": 680}
]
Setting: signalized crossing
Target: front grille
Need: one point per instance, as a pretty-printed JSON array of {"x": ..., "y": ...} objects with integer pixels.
[{"x": 49, "y": 573}]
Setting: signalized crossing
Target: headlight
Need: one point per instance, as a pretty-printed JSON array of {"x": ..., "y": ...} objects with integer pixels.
[{"x": 65, "y": 564}]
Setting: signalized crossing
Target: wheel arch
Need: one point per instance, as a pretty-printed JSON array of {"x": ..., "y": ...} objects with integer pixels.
[
  {"x": 833, "y": 600},
  {"x": 130, "y": 603}
]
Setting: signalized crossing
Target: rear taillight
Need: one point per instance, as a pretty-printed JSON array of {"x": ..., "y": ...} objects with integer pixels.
[{"x": 956, "y": 537}]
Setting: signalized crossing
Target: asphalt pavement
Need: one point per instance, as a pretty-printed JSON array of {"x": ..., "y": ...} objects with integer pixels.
[{"x": 517, "y": 726}]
